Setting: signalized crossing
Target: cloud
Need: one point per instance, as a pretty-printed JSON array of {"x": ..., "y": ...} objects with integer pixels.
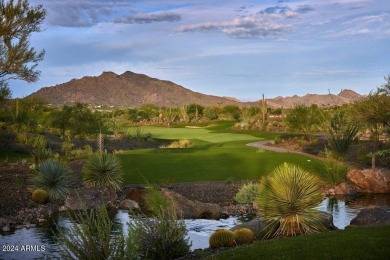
[
  {"x": 73, "y": 13},
  {"x": 254, "y": 27},
  {"x": 150, "y": 18},
  {"x": 304, "y": 9},
  {"x": 369, "y": 19},
  {"x": 352, "y": 32},
  {"x": 287, "y": 11}
]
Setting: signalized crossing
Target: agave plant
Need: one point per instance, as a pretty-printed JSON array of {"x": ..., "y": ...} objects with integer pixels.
[
  {"x": 286, "y": 200},
  {"x": 103, "y": 170},
  {"x": 53, "y": 177}
]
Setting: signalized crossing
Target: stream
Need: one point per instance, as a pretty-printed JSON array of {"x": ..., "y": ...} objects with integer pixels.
[{"x": 39, "y": 242}]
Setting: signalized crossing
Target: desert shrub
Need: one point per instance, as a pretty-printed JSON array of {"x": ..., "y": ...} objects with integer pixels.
[
  {"x": 90, "y": 237},
  {"x": 102, "y": 170},
  {"x": 22, "y": 137},
  {"x": 67, "y": 147},
  {"x": 247, "y": 193},
  {"x": 40, "y": 151},
  {"x": 160, "y": 237},
  {"x": 39, "y": 196},
  {"x": 53, "y": 177},
  {"x": 286, "y": 201},
  {"x": 244, "y": 236},
  {"x": 222, "y": 238}
]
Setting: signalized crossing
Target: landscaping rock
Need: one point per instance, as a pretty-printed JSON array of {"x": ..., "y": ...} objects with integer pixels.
[
  {"x": 256, "y": 225},
  {"x": 137, "y": 194},
  {"x": 371, "y": 181},
  {"x": 345, "y": 189},
  {"x": 129, "y": 205},
  {"x": 89, "y": 197},
  {"x": 327, "y": 220},
  {"x": 192, "y": 209},
  {"x": 371, "y": 217}
]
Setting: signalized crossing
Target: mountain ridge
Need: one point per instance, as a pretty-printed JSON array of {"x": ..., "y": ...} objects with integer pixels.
[{"x": 133, "y": 90}]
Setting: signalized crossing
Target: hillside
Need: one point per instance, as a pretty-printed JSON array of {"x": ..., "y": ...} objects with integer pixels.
[
  {"x": 133, "y": 90},
  {"x": 126, "y": 90}
]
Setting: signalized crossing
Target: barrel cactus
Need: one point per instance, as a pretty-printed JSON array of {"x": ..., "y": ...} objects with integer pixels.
[
  {"x": 40, "y": 196},
  {"x": 222, "y": 238},
  {"x": 244, "y": 236}
]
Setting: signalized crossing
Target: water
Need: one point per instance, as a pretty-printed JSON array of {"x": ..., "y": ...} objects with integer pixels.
[{"x": 199, "y": 230}]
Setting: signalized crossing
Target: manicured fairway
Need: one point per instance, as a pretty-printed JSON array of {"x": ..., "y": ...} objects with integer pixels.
[{"x": 215, "y": 156}]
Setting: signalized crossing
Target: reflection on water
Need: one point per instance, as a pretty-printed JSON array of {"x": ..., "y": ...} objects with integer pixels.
[
  {"x": 199, "y": 230},
  {"x": 344, "y": 209}
]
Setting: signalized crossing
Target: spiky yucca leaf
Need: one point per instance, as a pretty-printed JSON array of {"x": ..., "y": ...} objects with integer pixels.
[
  {"x": 103, "y": 170},
  {"x": 286, "y": 201},
  {"x": 53, "y": 177}
]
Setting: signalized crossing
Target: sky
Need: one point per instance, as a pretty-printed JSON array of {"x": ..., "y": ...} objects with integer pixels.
[{"x": 240, "y": 49}]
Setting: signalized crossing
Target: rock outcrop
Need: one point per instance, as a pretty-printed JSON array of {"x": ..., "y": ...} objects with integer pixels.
[
  {"x": 371, "y": 217},
  {"x": 192, "y": 208},
  {"x": 88, "y": 197},
  {"x": 370, "y": 181}
]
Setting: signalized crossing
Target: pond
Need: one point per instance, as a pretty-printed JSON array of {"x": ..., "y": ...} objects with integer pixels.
[{"x": 43, "y": 245}]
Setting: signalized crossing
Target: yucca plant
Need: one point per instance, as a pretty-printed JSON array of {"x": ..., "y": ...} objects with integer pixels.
[
  {"x": 103, "y": 170},
  {"x": 53, "y": 177},
  {"x": 286, "y": 201}
]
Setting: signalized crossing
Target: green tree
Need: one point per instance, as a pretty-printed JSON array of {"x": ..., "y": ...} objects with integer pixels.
[
  {"x": 79, "y": 120},
  {"x": 385, "y": 88},
  {"x": 373, "y": 112},
  {"x": 18, "y": 20},
  {"x": 302, "y": 118}
]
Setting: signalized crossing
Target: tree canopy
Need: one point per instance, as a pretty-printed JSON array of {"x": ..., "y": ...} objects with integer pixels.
[{"x": 18, "y": 20}]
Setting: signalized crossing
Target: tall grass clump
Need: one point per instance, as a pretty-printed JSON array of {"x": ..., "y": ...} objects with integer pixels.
[
  {"x": 333, "y": 171},
  {"x": 102, "y": 170},
  {"x": 161, "y": 237},
  {"x": 247, "y": 193},
  {"x": 183, "y": 143},
  {"x": 341, "y": 134},
  {"x": 90, "y": 237},
  {"x": 286, "y": 201},
  {"x": 53, "y": 177}
]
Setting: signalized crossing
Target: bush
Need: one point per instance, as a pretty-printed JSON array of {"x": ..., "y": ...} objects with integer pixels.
[
  {"x": 286, "y": 201},
  {"x": 102, "y": 170},
  {"x": 40, "y": 196},
  {"x": 244, "y": 236},
  {"x": 89, "y": 237},
  {"x": 161, "y": 237},
  {"x": 247, "y": 193},
  {"x": 53, "y": 177},
  {"x": 222, "y": 238}
]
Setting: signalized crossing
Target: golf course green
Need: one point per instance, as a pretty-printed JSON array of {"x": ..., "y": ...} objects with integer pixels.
[{"x": 217, "y": 154}]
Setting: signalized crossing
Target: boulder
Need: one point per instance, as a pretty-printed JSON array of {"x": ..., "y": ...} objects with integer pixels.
[
  {"x": 256, "y": 225},
  {"x": 371, "y": 217},
  {"x": 129, "y": 205},
  {"x": 327, "y": 220},
  {"x": 192, "y": 209},
  {"x": 370, "y": 181},
  {"x": 345, "y": 189},
  {"x": 90, "y": 198},
  {"x": 137, "y": 194}
]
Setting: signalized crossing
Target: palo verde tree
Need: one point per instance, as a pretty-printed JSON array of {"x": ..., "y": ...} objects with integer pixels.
[{"x": 18, "y": 20}]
